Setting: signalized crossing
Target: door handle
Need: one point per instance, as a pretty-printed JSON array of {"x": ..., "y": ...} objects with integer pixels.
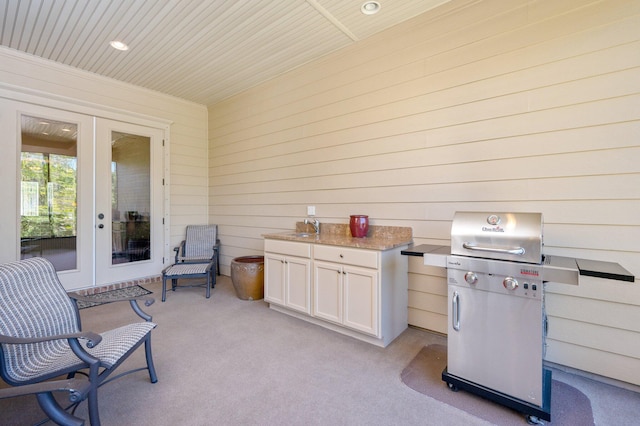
[{"x": 455, "y": 311}]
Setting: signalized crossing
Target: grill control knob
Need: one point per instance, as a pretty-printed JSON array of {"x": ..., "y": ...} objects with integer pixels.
[
  {"x": 510, "y": 283},
  {"x": 471, "y": 277}
]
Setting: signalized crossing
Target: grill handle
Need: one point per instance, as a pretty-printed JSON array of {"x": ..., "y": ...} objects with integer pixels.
[
  {"x": 455, "y": 308},
  {"x": 517, "y": 251}
]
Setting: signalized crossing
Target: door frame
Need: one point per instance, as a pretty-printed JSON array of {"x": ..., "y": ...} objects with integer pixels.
[
  {"x": 53, "y": 101},
  {"x": 107, "y": 272}
]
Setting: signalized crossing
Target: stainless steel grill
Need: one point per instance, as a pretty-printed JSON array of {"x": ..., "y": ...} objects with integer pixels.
[
  {"x": 497, "y": 322},
  {"x": 497, "y": 326}
]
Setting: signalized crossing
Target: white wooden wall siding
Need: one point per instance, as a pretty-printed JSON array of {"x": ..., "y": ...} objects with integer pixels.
[
  {"x": 188, "y": 134},
  {"x": 491, "y": 105}
]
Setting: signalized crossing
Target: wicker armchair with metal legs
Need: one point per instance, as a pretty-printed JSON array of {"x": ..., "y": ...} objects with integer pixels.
[
  {"x": 41, "y": 338},
  {"x": 201, "y": 244},
  {"x": 196, "y": 257}
]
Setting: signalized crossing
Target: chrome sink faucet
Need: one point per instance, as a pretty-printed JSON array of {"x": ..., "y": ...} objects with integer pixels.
[{"x": 315, "y": 223}]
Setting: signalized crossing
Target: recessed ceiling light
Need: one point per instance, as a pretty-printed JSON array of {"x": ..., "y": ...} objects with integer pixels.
[
  {"x": 119, "y": 45},
  {"x": 370, "y": 7}
]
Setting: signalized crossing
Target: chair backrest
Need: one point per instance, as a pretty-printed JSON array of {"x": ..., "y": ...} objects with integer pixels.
[
  {"x": 33, "y": 303},
  {"x": 200, "y": 240}
]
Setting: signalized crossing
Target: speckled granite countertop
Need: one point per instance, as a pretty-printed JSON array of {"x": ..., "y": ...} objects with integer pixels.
[{"x": 378, "y": 237}]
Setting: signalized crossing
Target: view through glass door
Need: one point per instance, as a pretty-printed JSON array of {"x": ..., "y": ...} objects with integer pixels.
[{"x": 49, "y": 182}]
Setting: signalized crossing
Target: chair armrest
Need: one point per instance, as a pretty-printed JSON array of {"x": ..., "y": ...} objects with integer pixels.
[
  {"x": 77, "y": 387},
  {"x": 136, "y": 308},
  {"x": 179, "y": 249},
  {"x": 92, "y": 338}
]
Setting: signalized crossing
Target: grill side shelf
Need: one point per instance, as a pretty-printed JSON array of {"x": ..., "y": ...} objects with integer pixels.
[
  {"x": 586, "y": 267},
  {"x": 421, "y": 249},
  {"x": 607, "y": 270},
  {"x": 433, "y": 255}
]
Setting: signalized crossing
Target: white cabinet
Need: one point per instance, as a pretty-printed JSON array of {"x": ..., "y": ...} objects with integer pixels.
[
  {"x": 361, "y": 307},
  {"x": 359, "y": 292},
  {"x": 288, "y": 275},
  {"x": 327, "y": 291},
  {"x": 347, "y": 294}
]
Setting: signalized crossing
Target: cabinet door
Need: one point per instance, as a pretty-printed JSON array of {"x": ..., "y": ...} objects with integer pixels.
[
  {"x": 361, "y": 299},
  {"x": 298, "y": 284},
  {"x": 274, "y": 278},
  {"x": 327, "y": 291}
]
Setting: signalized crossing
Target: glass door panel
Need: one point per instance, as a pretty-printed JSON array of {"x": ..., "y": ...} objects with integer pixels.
[
  {"x": 130, "y": 197},
  {"x": 48, "y": 191}
]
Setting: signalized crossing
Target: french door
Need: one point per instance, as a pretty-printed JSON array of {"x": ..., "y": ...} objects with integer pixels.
[
  {"x": 89, "y": 194},
  {"x": 129, "y": 200}
]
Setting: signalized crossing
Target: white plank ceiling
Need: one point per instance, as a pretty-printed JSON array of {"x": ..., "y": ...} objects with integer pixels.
[{"x": 199, "y": 50}]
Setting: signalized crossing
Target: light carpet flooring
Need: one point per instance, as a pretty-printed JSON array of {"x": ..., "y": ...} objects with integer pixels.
[{"x": 226, "y": 361}]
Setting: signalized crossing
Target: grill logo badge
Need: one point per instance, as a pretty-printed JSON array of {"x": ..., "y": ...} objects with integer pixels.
[
  {"x": 530, "y": 272},
  {"x": 494, "y": 229},
  {"x": 493, "y": 220}
]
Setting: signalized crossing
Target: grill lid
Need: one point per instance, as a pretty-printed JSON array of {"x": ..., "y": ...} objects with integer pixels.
[{"x": 501, "y": 236}]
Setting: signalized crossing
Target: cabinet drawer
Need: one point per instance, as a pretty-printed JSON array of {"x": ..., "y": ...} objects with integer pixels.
[
  {"x": 288, "y": 248},
  {"x": 349, "y": 256}
]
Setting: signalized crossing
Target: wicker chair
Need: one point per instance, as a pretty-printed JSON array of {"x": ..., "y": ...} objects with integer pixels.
[
  {"x": 196, "y": 257},
  {"x": 200, "y": 245},
  {"x": 41, "y": 338}
]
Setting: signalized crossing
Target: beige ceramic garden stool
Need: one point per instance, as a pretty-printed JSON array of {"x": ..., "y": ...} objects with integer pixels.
[{"x": 188, "y": 271}]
